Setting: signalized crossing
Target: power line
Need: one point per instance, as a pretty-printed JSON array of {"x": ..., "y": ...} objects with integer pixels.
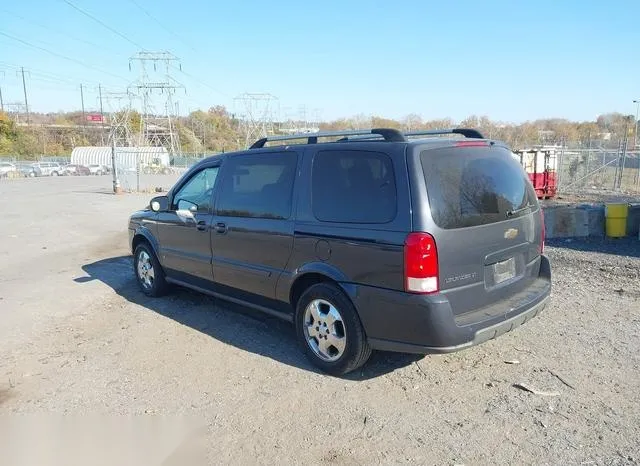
[
  {"x": 202, "y": 83},
  {"x": 153, "y": 18},
  {"x": 72, "y": 81},
  {"x": 102, "y": 23},
  {"x": 55, "y": 54},
  {"x": 56, "y": 31}
]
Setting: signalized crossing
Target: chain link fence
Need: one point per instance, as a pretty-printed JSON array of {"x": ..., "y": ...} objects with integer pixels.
[{"x": 599, "y": 170}]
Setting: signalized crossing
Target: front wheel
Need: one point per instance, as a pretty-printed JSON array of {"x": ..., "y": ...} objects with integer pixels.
[
  {"x": 54, "y": 173},
  {"x": 329, "y": 330},
  {"x": 149, "y": 273}
]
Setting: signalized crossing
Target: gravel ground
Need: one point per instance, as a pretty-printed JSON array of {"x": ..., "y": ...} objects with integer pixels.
[{"x": 77, "y": 337}]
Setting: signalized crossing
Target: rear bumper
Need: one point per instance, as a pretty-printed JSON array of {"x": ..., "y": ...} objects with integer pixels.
[{"x": 397, "y": 321}]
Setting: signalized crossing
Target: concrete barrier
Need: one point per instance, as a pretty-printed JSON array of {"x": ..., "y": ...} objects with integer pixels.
[
  {"x": 633, "y": 221},
  {"x": 574, "y": 221},
  {"x": 566, "y": 221}
]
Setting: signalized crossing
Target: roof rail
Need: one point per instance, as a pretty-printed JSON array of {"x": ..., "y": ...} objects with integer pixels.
[
  {"x": 466, "y": 132},
  {"x": 389, "y": 134},
  {"x": 361, "y": 137}
]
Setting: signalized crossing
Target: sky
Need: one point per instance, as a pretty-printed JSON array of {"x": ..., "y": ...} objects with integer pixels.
[{"x": 510, "y": 60}]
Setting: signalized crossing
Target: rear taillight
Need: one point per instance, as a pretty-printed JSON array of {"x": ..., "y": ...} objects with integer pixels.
[
  {"x": 420, "y": 263},
  {"x": 542, "y": 231}
]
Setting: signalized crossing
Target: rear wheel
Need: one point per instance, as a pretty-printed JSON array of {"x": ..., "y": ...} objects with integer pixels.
[
  {"x": 149, "y": 273},
  {"x": 329, "y": 330},
  {"x": 54, "y": 173}
]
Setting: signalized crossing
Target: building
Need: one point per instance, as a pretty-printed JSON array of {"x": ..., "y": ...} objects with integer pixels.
[{"x": 126, "y": 157}]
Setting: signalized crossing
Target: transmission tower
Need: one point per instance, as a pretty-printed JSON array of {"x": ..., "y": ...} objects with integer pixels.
[
  {"x": 15, "y": 109},
  {"x": 120, "y": 105},
  {"x": 304, "y": 121},
  {"x": 156, "y": 89},
  {"x": 256, "y": 113}
]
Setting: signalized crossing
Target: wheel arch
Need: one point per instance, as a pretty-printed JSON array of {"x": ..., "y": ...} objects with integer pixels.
[
  {"x": 314, "y": 273},
  {"x": 143, "y": 235}
]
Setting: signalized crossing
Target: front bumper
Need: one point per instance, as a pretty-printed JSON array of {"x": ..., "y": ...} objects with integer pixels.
[{"x": 408, "y": 323}]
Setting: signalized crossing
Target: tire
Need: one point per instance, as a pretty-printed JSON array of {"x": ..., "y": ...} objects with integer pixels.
[
  {"x": 346, "y": 332},
  {"x": 154, "y": 285},
  {"x": 54, "y": 173}
]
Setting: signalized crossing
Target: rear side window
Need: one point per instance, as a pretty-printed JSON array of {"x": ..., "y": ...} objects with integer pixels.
[
  {"x": 350, "y": 186},
  {"x": 475, "y": 186},
  {"x": 259, "y": 185}
]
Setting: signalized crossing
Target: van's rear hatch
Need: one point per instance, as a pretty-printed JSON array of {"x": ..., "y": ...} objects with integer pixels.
[{"x": 487, "y": 225}]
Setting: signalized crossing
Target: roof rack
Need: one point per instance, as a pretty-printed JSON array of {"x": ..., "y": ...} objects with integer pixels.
[
  {"x": 389, "y": 134},
  {"x": 466, "y": 132}
]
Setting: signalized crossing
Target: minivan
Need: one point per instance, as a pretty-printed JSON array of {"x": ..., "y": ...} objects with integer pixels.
[{"x": 419, "y": 242}]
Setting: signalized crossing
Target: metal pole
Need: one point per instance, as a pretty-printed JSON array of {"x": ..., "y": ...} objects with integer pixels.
[
  {"x": 137, "y": 172},
  {"x": 615, "y": 175},
  {"x": 26, "y": 102},
  {"x": 116, "y": 181},
  {"x": 1, "y": 101},
  {"x": 624, "y": 157},
  {"x": 635, "y": 133},
  {"x": 588, "y": 157},
  {"x": 101, "y": 115}
]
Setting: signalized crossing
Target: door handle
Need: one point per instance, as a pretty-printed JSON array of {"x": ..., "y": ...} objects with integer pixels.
[
  {"x": 201, "y": 225},
  {"x": 220, "y": 227}
]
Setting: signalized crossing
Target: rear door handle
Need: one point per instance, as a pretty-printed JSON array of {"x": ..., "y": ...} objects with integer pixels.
[
  {"x": 220, "y": 227},
  {"x": 201, "y": 225}
]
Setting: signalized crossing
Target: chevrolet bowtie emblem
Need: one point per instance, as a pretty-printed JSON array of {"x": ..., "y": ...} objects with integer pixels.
[{"x": 511, "y": 233}]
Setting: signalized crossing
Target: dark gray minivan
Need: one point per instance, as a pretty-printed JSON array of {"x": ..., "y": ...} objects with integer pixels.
[{"x": 376, "y": 239}]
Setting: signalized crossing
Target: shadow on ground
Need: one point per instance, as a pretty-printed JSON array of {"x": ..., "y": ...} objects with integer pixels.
[
  {"x": 627, "y": 246},
  {"x": 235, "y": 325}
]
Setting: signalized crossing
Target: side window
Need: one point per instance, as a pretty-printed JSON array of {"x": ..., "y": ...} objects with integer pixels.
[
  {"x": 196, "y": 194},
  {"x": 259, "y": 185},
  {"x": 351, "y": 186}
]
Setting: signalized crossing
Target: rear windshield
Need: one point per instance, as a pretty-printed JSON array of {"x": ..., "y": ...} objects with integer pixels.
[{"x": 469, "y": 186}]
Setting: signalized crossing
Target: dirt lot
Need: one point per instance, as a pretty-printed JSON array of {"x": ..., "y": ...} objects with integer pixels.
[{"x": 76, "y": 337}]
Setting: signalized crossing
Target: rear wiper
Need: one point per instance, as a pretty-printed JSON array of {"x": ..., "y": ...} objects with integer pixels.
[{"x": 511, "y": 213}]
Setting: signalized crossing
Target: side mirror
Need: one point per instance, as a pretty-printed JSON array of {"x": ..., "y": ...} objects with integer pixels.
[
  {"x": 188, "y": 206},
  {"x": 159, "y": 204}
]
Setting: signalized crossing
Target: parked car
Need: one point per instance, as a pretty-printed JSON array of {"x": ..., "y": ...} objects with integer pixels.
[
  {"x": 26, "y": 169},
  {"x": 95, "y": 169},
  {"x": 6, "y": 168},
  {"x": 76, "y": 170},
  {"x": 375, "y": 241},
  {"x": 48, "y": 169}
]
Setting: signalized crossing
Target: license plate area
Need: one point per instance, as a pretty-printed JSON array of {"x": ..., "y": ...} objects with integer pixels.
[{"x": 504, "y": 271}]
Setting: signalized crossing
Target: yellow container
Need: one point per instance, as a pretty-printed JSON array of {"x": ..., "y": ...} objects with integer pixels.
[{"x": 616, "y": 220}]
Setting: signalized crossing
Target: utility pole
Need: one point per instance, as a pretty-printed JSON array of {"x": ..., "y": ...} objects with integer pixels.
[
  {"x": 101, "y": 115},
  {"x": 116, "y": 181},
  {"x": 26, "y": 102},
  {"x": 1, "y": 101},
  {"x": 84, "y": 116},
  {"x": 635, "y": 133}
]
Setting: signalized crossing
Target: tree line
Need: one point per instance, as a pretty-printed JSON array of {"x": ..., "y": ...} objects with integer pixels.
[{"x": 217, "y": 130}]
